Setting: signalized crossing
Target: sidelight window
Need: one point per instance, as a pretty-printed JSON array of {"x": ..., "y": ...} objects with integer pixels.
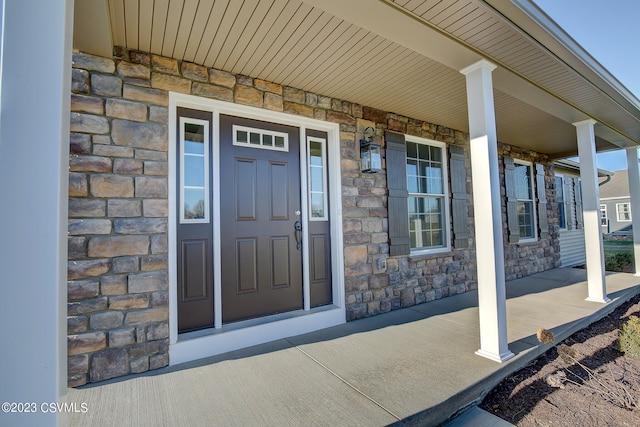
[
  {"x": 317, "y": 149},
  {"x": 194, "y": 170}
]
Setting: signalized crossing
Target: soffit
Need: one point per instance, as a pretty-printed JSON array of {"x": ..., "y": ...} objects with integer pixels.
[
  {"x": 531, "y": 52},
  {"x": 401, "y": 57}
]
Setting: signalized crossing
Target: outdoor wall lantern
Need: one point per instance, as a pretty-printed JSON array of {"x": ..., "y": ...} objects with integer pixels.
[{"x": 370, "y": 153}]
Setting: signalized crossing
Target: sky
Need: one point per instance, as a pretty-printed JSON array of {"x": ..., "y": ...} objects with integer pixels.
[{"x": 610, "y": 31}]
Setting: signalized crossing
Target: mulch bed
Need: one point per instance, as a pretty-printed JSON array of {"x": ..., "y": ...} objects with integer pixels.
[{"x": 570, "y": 396}]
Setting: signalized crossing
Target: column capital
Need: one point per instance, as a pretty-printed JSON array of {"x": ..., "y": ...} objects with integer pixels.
[
  {"x": 481, "y": 64},
  {"x": 584, "y": 123}
]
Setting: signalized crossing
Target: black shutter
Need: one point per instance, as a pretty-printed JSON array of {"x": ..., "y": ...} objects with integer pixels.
[
  {"x": 569, "y": 200},
  {"x": 459, "y": 197},
  {"x": 543, "y": 220},
  {"x": 512, "y": 200},
  {"x": 577, "y": 187},
  {"x": 399, "y": 240}
]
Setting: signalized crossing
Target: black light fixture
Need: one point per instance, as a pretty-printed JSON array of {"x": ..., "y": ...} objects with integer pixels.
[{"x": 370, "y": 153}]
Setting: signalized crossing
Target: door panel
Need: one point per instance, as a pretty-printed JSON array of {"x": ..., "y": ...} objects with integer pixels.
[
  {"x": 319, "y": 231},
  {"x": 246, "y": 266},
  {"x": 280, "y": 261},
  {"x": 194, "y": 226},
  {"x": 246, "y": 181},
  {"x": 194, "y": 274},
  {"x": 278, "y": 190},
  {"x": 259, "y": 198}
]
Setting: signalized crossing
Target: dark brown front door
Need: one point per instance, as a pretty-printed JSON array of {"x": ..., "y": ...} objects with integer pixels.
[{"x": 259, "y": 211}]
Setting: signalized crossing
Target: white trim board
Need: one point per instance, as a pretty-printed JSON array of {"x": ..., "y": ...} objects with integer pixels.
[{"x": 228, "y": 338}]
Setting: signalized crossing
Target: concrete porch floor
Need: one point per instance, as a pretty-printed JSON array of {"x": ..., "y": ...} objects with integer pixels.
[{"x": 415, "y": 365}]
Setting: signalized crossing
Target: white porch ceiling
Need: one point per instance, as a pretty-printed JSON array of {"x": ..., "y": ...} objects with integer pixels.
[{"x": 401, "y": 56}]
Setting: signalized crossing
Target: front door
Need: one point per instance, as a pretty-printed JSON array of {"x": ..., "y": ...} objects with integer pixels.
[{"x": 260, "y": 217}]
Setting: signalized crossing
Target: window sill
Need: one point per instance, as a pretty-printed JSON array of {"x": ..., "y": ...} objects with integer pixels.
[
  {"x": 527, "y": 242},
  {"x": 432, "y": 253}
]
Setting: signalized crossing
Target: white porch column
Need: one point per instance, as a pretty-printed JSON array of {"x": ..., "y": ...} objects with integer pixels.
[
  {"x": 35, "y": 87},
  {"x": 591, "y": 211},
  {"x": 492, "y": 303},
  {"x": 634, "y": 192}
]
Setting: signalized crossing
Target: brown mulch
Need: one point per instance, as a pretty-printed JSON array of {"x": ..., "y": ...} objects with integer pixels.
[{"x": 526, "y": 398}]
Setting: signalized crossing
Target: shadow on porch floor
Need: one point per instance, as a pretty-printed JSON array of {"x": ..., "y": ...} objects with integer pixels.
[{"x": 411, "y": 366}]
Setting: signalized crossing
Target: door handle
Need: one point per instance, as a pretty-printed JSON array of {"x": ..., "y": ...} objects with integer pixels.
[{"x": 298, "y": 233}]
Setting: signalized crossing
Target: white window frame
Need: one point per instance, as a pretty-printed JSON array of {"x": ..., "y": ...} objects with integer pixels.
[
  {"x": 529, "y": 165},
  {"x": 225, "y": 338},
  {"x": 262, "y": 133},
  {"x": 618, "y": 206},
  {"x": 207, "y": 201},
  {"x": 603, "y": 209},
  {"x": 446, "y": 220},
  {"x": 325, "y": 200}
]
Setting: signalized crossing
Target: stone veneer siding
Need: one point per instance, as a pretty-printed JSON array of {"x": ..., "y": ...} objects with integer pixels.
[
  {"x": 525, "y": 259},
  {"x": 118, "y": 206}
]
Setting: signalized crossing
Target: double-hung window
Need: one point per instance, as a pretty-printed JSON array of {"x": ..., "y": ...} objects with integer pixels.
[
  {"x": 603, "y": 215},
  {"x": 523, "y": 174},
  {"x": 428, "y": 200},
  {"x": 624, "y": 212}
]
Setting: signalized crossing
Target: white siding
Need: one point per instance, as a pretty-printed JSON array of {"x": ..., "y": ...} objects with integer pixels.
[{"x": 572, "y": 250}]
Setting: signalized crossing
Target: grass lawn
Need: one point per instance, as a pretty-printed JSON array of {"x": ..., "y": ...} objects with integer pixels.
[{"x": 618, "y": 256}]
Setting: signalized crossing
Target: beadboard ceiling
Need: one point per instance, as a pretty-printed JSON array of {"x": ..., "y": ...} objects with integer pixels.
[{"x": 402, "y": 56}]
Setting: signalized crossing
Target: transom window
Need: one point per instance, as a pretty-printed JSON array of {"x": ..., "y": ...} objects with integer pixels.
[
  {"x": 260, "y": 138},
  {"x": 624, "y": 212},
  {"x": 426, "y": 183},
  {"x": 523, "y": 174}
]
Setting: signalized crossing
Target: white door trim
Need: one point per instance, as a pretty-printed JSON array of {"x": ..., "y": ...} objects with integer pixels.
[{"x": 228, "y": 338}]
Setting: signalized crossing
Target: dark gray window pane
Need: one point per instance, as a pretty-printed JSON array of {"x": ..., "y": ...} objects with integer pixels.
[{"x": 412, "y": 149}]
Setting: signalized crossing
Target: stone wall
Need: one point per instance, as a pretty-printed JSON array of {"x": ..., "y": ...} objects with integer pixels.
[
  {"x": 118, "y": 207},
  {"x": 525, "y": 259},
  {"x": 408, "y": 280}
]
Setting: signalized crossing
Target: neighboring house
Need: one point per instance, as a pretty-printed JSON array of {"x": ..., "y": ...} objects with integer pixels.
[
  {"x": 570, "y": 213},
  {"x": 615, "y": 204},
  {"x": 220, "y": 192}
]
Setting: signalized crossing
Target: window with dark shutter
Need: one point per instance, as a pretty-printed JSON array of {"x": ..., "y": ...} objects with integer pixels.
[
  {"x": 571, "y": 200},
  {"x": 459, "y": 197},
  {"x": 543, "y": 220},
  {"x": 577, "y": 187},
  {"x": 396, "y": 159},
  {"x": 512, "y": 200}
]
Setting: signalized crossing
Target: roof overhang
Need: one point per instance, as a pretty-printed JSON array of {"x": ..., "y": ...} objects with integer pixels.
[{"x": 395, "y": 55}]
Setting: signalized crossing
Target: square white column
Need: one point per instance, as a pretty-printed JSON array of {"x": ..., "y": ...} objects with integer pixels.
[
  {"x": 492, "y": 304},
  {"x": 634, "y": 193},
  {"x": 35, "y": 96},
  {"x": 591, "y": 211}
]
